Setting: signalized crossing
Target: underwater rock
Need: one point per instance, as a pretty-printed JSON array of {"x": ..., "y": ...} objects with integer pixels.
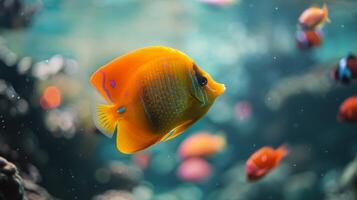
[
  {"x": 16, "y": 14},
  {"x": 13, "y": 187},
  {"x": 11, "y": 184},
  {"x": 36, "y": 192}
]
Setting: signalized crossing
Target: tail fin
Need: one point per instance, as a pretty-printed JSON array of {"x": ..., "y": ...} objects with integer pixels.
[
  {"x": 325, "y": 9},
  {"x": 106, "y": 119},
  {"x": 281, "y": 152}
]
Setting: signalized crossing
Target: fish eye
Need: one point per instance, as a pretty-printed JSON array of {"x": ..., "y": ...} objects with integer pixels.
[{"x": 202, "y": 81}]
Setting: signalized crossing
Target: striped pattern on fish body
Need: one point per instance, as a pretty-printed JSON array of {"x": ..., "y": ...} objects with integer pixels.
[{"x": 164, "y": 94}]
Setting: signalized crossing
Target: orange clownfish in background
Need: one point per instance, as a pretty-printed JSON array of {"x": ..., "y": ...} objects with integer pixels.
[
  {"x": 154, "y": 94},
  {"x": 314, "y": 18},
  {"x": 348, "y": 110},
  {"x": 263, "y": 161}
]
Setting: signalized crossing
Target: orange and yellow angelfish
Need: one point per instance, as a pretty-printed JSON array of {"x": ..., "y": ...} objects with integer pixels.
[
  {"x": 153, "y": 94},
  {"x": 314, "y": 18}
]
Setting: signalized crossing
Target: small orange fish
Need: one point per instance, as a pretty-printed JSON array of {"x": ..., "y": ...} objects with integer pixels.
[
  {"x": 348, "y": 110},
  {"x": 201, "y": 144},
  {"x": 314, "y": 18},
  {"x": 263, "y": 161},
  {"x": 154, "y": 94}
]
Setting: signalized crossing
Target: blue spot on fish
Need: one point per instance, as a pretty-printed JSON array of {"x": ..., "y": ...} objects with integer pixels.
[
  {"x": 112, "y": 83},
  {"x": 121, "y": 109}
]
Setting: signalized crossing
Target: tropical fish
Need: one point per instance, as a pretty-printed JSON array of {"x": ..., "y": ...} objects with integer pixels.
[
  {"x": 201, "y": 144},
  {"x": 194, "y": 170},
  {"x": 263, "y": 161},
  {"x": 346, "y": 70},
  {"x": 348, "y": 110},
  {"x": 314, "y": 18},
  {"x": 154, "y": 94},
  {"x": 308, "y": 39}
]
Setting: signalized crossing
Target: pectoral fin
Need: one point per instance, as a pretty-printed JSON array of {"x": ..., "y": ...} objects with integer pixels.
[{"x": 106, "y": 119}]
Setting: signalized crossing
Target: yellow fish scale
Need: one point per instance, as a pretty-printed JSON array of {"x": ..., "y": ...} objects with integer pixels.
[{"x": 164, "y": 95}]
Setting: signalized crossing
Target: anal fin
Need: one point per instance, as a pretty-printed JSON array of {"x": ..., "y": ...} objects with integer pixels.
[{"x": 132, "y": 138}]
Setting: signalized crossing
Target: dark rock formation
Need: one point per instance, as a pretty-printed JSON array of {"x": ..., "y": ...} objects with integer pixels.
[
  {"x": 11, "y": 184},
  {"x": 15, "y": 14}
]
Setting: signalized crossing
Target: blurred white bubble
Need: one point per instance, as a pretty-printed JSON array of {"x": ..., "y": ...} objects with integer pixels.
[
  {"x": 143, "y": 193},
  {"x": 22, "y": 106},
  {"x": 55, "y": 64},
  {"x": 41, "y": 70},
  {"x": 62, "y": 122},
  {"x": 10, "y": 59}
]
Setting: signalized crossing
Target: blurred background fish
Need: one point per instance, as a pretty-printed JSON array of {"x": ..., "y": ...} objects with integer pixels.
[
  {"x": 263, "y": 161},
  {"x": 201, "y": 144},
  {"x": 314, "y": 18},
  {"x": 348, "y": 110},
  {"x": 346, "y": 70}
]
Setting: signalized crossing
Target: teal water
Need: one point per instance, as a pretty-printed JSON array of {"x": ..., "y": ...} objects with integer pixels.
[{"x": 248, "y": 46}]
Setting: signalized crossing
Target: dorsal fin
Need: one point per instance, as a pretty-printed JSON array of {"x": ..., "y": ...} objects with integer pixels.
[{"x": 110, "y": 79}]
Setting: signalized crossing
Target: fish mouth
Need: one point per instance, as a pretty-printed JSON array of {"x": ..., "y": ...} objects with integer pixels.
[{"x": 219, "y": 88}]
